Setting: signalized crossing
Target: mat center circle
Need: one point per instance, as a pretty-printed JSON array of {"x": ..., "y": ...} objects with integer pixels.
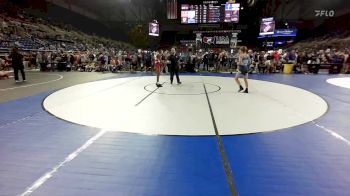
[{"x": 191, "y": 88}]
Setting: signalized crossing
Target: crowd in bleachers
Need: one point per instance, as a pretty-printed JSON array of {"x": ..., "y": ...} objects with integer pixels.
[
  {"x": 29, "y": 32},
  {"x": 50, "y": 46}
]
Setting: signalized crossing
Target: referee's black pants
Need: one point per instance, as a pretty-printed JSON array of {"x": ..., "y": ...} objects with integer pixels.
[
  {"x": 15, "y": 71},
  {"x": 174, "y": 71}
]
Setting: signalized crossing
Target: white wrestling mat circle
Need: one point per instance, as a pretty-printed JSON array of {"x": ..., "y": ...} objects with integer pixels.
[
  {"x": 135, "y": 105},
  {"x": 341, "y": 82}
]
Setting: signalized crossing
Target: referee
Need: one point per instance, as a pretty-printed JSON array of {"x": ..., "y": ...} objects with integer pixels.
[
  {"x": 17, "y": 64},
  {"x": 174, "y": 67}
]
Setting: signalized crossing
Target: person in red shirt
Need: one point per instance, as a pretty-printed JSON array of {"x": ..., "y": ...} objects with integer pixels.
[
  {"x": 276, "y": 58},
  {"x": 157, "y": 68}
]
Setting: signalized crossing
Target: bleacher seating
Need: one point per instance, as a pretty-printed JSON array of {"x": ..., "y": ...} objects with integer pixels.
[{"x": 30, "y": 33}]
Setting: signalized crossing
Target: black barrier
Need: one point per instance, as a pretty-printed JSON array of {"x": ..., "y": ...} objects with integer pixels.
[
  {"x": 62, "y": 66},
  {"x": 333, "y": 68}
]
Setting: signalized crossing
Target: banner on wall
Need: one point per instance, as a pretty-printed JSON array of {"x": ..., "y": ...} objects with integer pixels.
[
  {"x": 267, "y": 26},
  {"x": 153, "y": 29},
  {"x": 234, "y": 40},
  {"x": 198, "y": 39}
]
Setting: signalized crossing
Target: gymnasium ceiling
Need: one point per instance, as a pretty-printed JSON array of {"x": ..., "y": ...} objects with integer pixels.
[
  {"x": 119, "y": 10},
  {"x": 146, "y": 10}
]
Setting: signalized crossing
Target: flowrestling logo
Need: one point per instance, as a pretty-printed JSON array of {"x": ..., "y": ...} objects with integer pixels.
[
  {"x": 324, "y": 13},
  {"x": 222, "y": 40},
  {"x": 217, "y": 40}
]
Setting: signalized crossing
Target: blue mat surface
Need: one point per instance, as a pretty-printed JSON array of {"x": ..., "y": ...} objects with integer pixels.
[{"x": 302, "y": 160}]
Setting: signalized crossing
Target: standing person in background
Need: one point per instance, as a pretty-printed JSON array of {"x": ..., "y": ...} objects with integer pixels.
[
  {"x": 199, "y": 59},
  {"x": 17, "y": 64},
  {"x": 262, "y": 62},
  {"x": 32, "y": 61},
  {"x": 164, "y": 61},
  {"x": 291, "y": 57},
  {"x": 39, "y": 60},
  {"x": 148, "y": 60},
  {"x": 134, "y": 62},
  {"x": 222, "y": 60},
  {"x": 206, "y": 61},
  {"x": 243, "y": 63},
  {"x": 139, "y": 58},
  {"x": 174, "y": 67},
  {"x": 346, "y": 64},
  {"x": 269, "y": 62},
  {"x": 71, "y": 61},
  {"x": 211, "y": 60}
]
